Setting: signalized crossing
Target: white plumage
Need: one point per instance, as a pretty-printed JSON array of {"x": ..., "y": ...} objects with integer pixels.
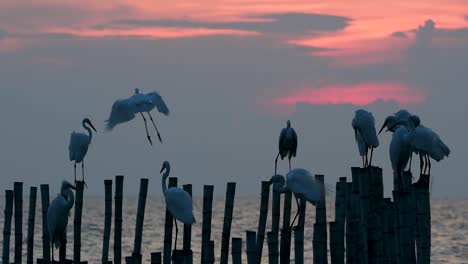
[
  {"x": 366, "y": 136},
  {"x": 79, "y": 144},
  {"x": 178, "y": 201},
  {"x": 287, "y": 144},
  {"x": 124, "y": 110},
  {"x": 400, "y": 152},
  {"x": 57, "y": 215}
]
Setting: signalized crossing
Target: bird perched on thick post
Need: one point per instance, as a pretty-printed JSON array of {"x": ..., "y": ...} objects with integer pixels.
[
  {"x": 301, "y": 183},
  {"x": 287, "y": 144},
  {"x": 366, "y": 136},
  {"x": 178, "y": 201},
  {"x": 57, "y": 215},
  {"x": 124, "y": 110},
  {"x": 79, "y": 143}
]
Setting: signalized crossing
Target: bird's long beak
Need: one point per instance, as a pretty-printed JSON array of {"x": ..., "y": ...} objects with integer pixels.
[
  {"x": 383, "y": 126},
  {"x": 162, "y": 169},
  {"x": 267, "y": 189},
  {"x": 395, "y": 125},
  {"x": 92, "y": 127}
]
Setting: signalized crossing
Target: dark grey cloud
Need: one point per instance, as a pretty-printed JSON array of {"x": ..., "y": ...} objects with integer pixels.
[
  {"x": 291, "y": 23},
  {"x": 399, "y": 34}
]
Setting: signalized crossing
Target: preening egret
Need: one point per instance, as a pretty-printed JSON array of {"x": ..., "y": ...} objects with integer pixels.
[
  {"x": 301, "y": 183},
  {"x": 124, "y": 110},
  {"x": 57, "y": 215},
  {"x": 178, "y": 201},
  {"x": 79, "y": 143},
  {"x": 287, "y": 144},
  {"x": 400, "y": 152},
  {"x": 366, "y": 136}
]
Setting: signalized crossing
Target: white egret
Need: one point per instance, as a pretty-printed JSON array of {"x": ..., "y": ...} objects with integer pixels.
[
  {"x": 124, "y": 110},
  {"x": 301, "y": 183},
  {"x": 79, "y": 143},
  {"x": 287, "y": 144},
  {"x": 57, "y": 215},
  {"x": 366, "y": 136},
  {"x": 400, "y": 152},
  {"x": 178, "y": 201}
]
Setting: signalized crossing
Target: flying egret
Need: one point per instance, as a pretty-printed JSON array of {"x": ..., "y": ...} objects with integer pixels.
[
  {"x": 287, "y": 144},
  {"x": 79, "y": 143},
  {"x": 57, "y": 215},
  {"x": 301, "y": 183},
  {"x": 366, "y": 136},
  {"x": 178, "y": 201},
  {"x": 124, "y": 110}
]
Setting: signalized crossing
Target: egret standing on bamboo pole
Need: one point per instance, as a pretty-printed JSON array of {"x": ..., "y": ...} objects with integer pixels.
[
  {"x": 79, "y": 143},
  {"x": 178, "y": 201},
  {"x": 301, "y": 183},
  {"x": 366, "y": 136},
  {"x": 287, "y": 144},
  {"x": 124, "y": 110},
  {"x": 57, "y": 215}
]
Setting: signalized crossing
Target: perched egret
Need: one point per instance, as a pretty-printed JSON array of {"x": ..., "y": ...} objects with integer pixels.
[
  {"x": 301, "y": 183},
  {"x": 124, "y": 110},
  {"x": 178, "y": 201},
  {"x": 400, "y": 152},
  {"x": 366, "y": 136},
  {"x": 79, "y": 143},
  {"x": 57, "y": 215},
  {"x": 287, "y": 144}
]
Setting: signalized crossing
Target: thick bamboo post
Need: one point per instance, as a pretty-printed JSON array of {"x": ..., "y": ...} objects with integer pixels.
[
  {"x": 403, "y": 227},
  {"x": 264, "y": 202},
  {"x": 118, "y": 220},
  {"x": 351, "y": 222},
  {"x": 423, "y": 219},
  {"x": 285, "y": 243},
  {"x": 129, "y": 260},
  {"x": 18, "y": 197},
  {"x": 275, "y": 222},
  {"x": 7, "y": 225},
  {"x": 411, "y": 217},
  {"x": 388, "y": 232},
  {"x": 396, "y": 224},
  {"x": 207, "y": 213},
  {"x": 188, "y": 234},
  {"x": 107, "y": 219},
  {"x": 272, "y": 238},
  {"x": 364, "y": 178},
  {"x": 334, "y": 242},
  {"x": 228, "y": 210},
  {"x": 168, "y": 228},
  {"x": 299, "y": 234},
  {"x": 31, "y": 221},
  {"x": 156, "y": 258},
  {"x": 320, "y": 227},
  {"x": 140, "y": 215},
  {"x": 236, "y": 250},
  {"x": 340, "y": 217},
  {"x": 209, "y": 257},
  {"x": 77, "y": 222},
  {"x": 45, "y": 232},
  {"x": 251, "y": 247}
]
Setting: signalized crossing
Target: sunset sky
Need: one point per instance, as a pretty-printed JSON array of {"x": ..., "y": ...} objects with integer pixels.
[{"x": 232, "y": 73}]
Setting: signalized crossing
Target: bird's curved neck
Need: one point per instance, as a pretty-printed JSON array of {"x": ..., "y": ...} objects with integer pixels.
[
  {"x": 90, "y": 133},
  {"x": 164, "y": 178},
  {"x": 280, "y": 187},
  {"x": 68, "y": 195}
]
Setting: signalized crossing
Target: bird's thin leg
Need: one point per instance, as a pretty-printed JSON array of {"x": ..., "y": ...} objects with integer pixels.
[
  {"x": 289, "y": 163},
  {"x": 363, "y": 164},
  {"x": 298, "y": 212},
  {"x": 74, "y": 167},
  {"x": 429, "y": 165},
  {"x": 371, "y": 154},
  {"x": 276, "y": 161},
  {"x": 157, "y": 131},
  {"x": 146, "y": 128},
  {"x": 52, "y": 248},
  {"x": 176, "y": 233},
  {"x": 421, "y": 163},
  {"x": 82, "y": 172},
  {"x": 425, "y": 164},
  {"x": 410, "y": 161},
  {"x": 367, "y": 159}
]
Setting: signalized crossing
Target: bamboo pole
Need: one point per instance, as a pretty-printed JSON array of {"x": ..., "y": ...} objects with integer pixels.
[
  {"x": 424, "y": 219},
  {"x": 168, "y": 228},
  {"x": 388, "y": 232},
  {"x": 228, "y": 211},
  {"x": 272, "y": 238},
  {"x": 275, "y": 222},
  {"x": 299, "y": 234},
  {"x": 251, "y": 247},
  {"x": 351, "y": 249},
  {"x": 156, "y": 258},
  {"x": 364, "y": 178},
  {"x": 285, "y": 243},
  {"x": 18, "y": 197},
  {"x": 334, "y": 237},
  {"x": 236, "y": 250},
  {"x": 31, "y": 221},
  {"x": 207, "y": 213},
  {"x": 118, "y": 220},
  {"x": 129, "y": 260},
  {"x": 188, "y": 233},
  {"x": 7, "y": 225},
  {"x": 63, "y": 251},
  {"x": 264, "y": 202},
  {"x": 320, "y": 227},
  {"x": 395, "y": 213},
  {"x": 140, "y": 215},
  {"x": 77, "y": 222},
  {"x": 107, "y": 219},
  {"x": 407, "y": 178},
  {"x": 403, "y": 227},
  {"x": 340, "y": 217},
  {"x": 137, "y": 258},
  {"x": 209, "y": 257},
  {"x": 45, "y": 233}
]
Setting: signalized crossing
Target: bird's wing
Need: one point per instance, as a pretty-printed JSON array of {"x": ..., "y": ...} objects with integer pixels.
[
  {"x": 364, "y": 122},
  {"x": 57, "y": 219},
  {"x": 158, "y": 102},
  {"x": 78, "y": 147},
  {"x": 300, "y": 181},
  {"x": 282, "y": 147},
  {"x": 360, "y": 142},
  {"x": 294, "y": 142},
  {"x": 179, "y": 203},
  {"x": 429, "y": 142},
  {"x": 121, "y": 112}
]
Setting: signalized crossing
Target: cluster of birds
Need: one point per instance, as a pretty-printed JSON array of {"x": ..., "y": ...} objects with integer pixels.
[{"x": 178, "y": 201}]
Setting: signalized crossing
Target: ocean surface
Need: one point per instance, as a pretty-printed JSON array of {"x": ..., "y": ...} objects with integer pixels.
[{"x": 449, "y": 228}]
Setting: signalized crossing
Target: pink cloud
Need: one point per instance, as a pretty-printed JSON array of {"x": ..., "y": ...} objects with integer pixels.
[{"x": 360, "y": 94}]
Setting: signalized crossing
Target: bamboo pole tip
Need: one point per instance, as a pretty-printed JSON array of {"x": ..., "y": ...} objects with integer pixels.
[
  {"x": 108, "y": 182},
  {"x": 343, "y": 179},
  {"x": 320, "y": 177},
  {"x": 144, "y": 180},
  {"x": 8, "y": 192}
]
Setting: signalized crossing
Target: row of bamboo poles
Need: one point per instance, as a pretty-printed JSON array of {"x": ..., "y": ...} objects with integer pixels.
[{"x": 368, "y": 228}]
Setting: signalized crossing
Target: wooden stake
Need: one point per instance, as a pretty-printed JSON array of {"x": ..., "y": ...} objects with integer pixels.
[
  {"x": 107, "y": 219},
  {"x": 264, "y": 202},
  {"x": 31, "y": 221},
  {"x": 118, "y": 220},
  {"x": 140, "y": 215},
  {"x": 7, "y": 225},
  {"x": 228, "y": 211}
]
